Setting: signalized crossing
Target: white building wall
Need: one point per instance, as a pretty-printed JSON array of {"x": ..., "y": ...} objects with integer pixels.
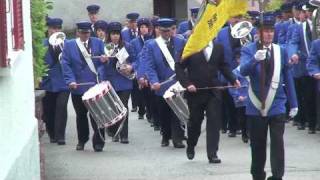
[
  {"x": 72, "y": 11},
  {"x": 19, "y": 152}
]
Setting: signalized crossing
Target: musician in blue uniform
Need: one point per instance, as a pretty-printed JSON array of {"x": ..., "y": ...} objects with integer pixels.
[
  {"x": 131, "y": 32},
  {"x": 230, "y": 45},
  {"x": 128, "y": 34},
  {"x": 313, "y": 66},
  {"x": 119, "y": 77},
  {"x": 266, "y": 65},
  {"x": 79, "y": 68},
  {"x": 137, "y": 45},
  {"x": 298, "y": 49},
  {"x": 57, "y": 93},
  {"x": 186, "y": 27},
  {"x": 295, "y": 21},
  {"x": 160, "y": 57},
  {"x": 282, "y": 27},
  {"x": 93, "y": 12},
  {"x": 240, "y": 98},
  {"x": 100, "y": 28}
]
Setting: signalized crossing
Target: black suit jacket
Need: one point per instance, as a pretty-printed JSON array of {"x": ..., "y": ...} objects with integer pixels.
[{"x": 198, "y": 71}]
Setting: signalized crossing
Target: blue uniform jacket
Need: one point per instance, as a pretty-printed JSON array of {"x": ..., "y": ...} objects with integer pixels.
[
  {"x": 183, "y": 27},
  {"x": 313, "y": 61},
  {"x": 127, "y": 36},
  {"x": 75, "y": 68},
  {"x": 250, "y": 67},
  {"x": 137, "y": 45},
  {"x": 296, "y": 45},
  {"x": 118, "y": 81},
  {"x": 54, "y": 81},
  {"x": 282, "y": 34},
  {"x": 236, "y": 93},
  {"x": 141, "y": 70},
  {"x": 156, "y": 66}
]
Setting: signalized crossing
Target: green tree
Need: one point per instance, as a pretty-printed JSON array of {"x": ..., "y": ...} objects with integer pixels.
[
  {"x": 39, "y": 10},
  {"x": 273, "y": 5}
]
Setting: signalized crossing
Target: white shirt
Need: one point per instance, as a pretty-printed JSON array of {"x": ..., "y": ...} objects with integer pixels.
[{"x": 208, "y": 51}]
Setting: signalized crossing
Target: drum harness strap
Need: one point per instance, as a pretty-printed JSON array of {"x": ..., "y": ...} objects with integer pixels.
[
  {"x": 164, "y": 49},
  {"x": 87, "y": 57}
]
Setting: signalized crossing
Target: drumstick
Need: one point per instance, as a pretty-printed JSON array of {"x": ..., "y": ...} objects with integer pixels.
[
  {"x": 85, "y": 83},
  {"x": 168, "y": 80},
  {"x": 95, "y": 57},
  {"x": 208, "y": 88}
]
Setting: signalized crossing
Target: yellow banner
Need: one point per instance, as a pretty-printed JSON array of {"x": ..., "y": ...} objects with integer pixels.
[{"x": 210, "y": 23}]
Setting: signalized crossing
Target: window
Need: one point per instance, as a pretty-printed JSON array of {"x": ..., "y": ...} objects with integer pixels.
[
  {"x": 3, "y": 35},
  {"x": 18, "y": 25},
  {"x": 11, "y": 28}
]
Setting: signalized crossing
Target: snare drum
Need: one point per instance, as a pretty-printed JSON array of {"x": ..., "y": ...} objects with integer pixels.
[
  {"x": 104, "y": 105},
  {"x": 174, "y": 98}
]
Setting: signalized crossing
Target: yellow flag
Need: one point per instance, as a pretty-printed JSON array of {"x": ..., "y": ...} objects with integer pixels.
[{"x": 210, "y": 23}]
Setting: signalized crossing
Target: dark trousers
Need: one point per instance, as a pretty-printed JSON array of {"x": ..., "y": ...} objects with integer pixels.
[
  {"x": 229, "y": 119},
  {"x": 242, "y": 119},
  {"x": 154, "y": 109},
  {"x": 144, "y": 102},
  {"x": 169, "y": 122},
  {"x": 212, "y": 106},
  {"x": 124, "y": 97},
  {"x": 306, "y": 94},
  {"x": 135, "y": 94},
  {"x": 55, "y": 114},
  {"x": 318, "y": 110},
  {"x": 83, "y": 123},
  {"x": 258, "y": 137}
]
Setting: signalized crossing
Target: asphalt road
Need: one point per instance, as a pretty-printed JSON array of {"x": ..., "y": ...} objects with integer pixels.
[{"x": 144, "y": 159}]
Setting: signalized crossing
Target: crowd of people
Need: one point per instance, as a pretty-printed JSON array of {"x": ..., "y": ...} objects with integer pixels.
[{"x": 267, "y": 77}]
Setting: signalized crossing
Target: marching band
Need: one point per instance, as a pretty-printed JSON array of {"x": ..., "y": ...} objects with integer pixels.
[{"x": 242, "y": 85}]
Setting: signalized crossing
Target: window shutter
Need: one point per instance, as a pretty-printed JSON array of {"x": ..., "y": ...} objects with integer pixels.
[
  {"x": 3, "y": 35},
  {"x": 18, "y": 25}
]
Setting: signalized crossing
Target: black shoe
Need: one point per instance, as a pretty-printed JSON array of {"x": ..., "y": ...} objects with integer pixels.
[
  {"x": 134, "y": 109},
  {"x": 61, "y": 142},
  {"x": 52, "y": 140},
  {"x": 140, "y": 116},
  {"x": 295, "y": 123},
  {"x": 301, "y": 127},
  {"x": 214, "y": 159},
  {"x": 245, "y": 139},
  {"x": 232, "y": 134},
  {"x": 80, "y": 146},
  {"x": 124, "y": 140},
  {"x": 311, "y": 131},
  {"x": 156, "y": 128},
  {"x": 115, "y": 139},
  {"x": 98, "y": 147},
  {"x": 190, "y": 152},
  {"x": 273, "y": 178},
  {"x": 224, "y": 131},
  {"x": 164, "y": 142},
  {"x": 178, "y": 145}
]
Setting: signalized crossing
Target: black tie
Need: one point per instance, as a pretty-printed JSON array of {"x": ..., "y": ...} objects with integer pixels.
[
  {"x": 170, "y": 47},
  {"x": 86, "y": 46},
  {"x": 309, "y": 34}
]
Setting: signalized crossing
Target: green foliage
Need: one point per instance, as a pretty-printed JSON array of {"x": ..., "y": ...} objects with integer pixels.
[
  {"x": 273, "y": 5},
  {"x": 39, "y": 10}
]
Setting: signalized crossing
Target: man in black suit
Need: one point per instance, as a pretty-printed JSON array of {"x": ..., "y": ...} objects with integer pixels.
[{"x": 202, "y": 71}]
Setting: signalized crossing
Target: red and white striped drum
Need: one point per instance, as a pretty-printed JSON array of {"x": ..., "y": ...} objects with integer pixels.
[{"x": 104, "y": 105}]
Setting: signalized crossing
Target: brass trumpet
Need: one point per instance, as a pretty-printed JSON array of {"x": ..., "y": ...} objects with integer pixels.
[{"x": 56, "y": 40}]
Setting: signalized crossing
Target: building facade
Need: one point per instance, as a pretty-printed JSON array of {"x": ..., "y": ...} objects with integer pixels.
[{"x": 19, "y": 152}]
